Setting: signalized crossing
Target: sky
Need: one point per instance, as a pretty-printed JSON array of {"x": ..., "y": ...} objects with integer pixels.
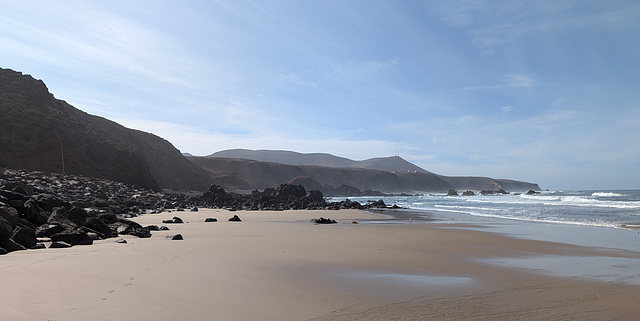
[{"x": 540, "y": 91}]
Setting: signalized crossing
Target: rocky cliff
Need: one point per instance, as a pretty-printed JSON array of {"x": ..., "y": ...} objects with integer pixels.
[{"x": 39, "y": 132}]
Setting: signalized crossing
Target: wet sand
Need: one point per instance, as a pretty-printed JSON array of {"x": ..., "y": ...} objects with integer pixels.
[{"x": 279, "y": 266}]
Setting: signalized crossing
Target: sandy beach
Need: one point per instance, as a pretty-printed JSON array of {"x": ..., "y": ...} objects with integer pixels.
[{"x": 280, "y": 266}]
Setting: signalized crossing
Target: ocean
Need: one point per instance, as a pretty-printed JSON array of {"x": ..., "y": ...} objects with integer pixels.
[{"x": 618, "y": 209}]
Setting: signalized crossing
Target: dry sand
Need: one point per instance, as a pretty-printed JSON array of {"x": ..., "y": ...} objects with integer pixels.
[{"x": 279, "y": 266}]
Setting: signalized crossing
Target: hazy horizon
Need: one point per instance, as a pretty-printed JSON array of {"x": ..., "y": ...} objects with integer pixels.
[{"x": 543, "y": 92}]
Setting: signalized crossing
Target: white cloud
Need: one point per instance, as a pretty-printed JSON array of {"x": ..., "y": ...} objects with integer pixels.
[
  {"x": 507, "y": 81},
  {"x": 358, "y": 71}
]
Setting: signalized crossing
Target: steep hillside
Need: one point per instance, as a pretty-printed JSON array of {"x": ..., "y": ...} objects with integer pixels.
[{"x": 38, "y": 131}]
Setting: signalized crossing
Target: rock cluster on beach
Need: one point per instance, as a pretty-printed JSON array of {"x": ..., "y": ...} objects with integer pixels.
[
  {"x": 285, "y": 197},
  {"x": 67, "y": 210}
]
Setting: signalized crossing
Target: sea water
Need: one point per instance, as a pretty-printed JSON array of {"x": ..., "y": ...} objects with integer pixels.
[
  {"x": 603, "y": 220},
  {"x": 619, "y": 209}
]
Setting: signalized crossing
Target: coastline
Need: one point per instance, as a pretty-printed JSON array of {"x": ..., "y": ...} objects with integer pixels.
[{"x": 280, "y": 266}]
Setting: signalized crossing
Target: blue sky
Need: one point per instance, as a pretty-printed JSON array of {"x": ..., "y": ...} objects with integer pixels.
[{"x": 542, "y": 91}]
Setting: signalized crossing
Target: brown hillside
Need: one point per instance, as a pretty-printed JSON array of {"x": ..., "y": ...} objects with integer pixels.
[{"x": 35, "y": 128}]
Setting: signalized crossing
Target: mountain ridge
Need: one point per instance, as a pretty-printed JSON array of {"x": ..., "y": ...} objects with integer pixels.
[
  {"x": 40, "y": 132},
  {"x": 391, "y": 163},
  {"x": 412, "y": 177}
]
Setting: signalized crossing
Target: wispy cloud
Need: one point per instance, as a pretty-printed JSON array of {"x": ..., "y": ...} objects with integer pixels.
[
  {"x": 489, "y": 27},
  {"x": 359, "y": 70},
  {"x": 507, "y": 81}
]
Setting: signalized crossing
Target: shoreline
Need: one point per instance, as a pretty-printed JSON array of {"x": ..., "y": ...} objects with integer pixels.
[{"x": 280, "y": 266}]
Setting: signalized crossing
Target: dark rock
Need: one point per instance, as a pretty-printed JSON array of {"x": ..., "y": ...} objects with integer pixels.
[
  {"x": 452, "y": 192},
  {"x": 532, "y": 192},
  {"x": 122, "y": 241},
  {"x": 175, "y": 237},
  {"x": 142, "y": 232},
  {"x": 24, "y": 223},
  {"x": 99, "y": 226},
  {"x": 11, "y": 246},
  {"x": 164, "y": 228},
  {"x": 93, "y": 235},
  {"x": 235, "y": 218},
  {"x": 46, "y": 230},
  {"x": 175, "y": 220},
  {"x": 19, "y": 187},
  {"x": 60, "y": 217},
  {"x": 323, "y": 220},
  {"x": 34, "y": 213},
  {"x": 211, "y": 219},
  {"x": 315, "y": 196},
  {"x": 11, "y": 195},
  {"x": 468, "y": 193},
  {"x": 74, "y": 238},
  {"x": 18, "y": 204},
  {"x": 194, "y": 209},
  {"x": 3, "y": 251},
  {"x": 217, "y": 196},
  {"x": 153, "y": 228},
  {"x": 48, "y": 201},
  {"x": 128, "y": 227},
  {"x": 25, "y": 236},
  {"x": 5, "y": 229},
  {"x": 289, "y": 191},
  {"x": 379, "y": 204},
  {"x": 108, "y": 218},
  {"x": 10, "y": 214},
  {"x": 59, "y": 245},
  {"x": 101, "y": 203},
  {"x": 78, "y": 215},
  {"x": 39, "y": 246},
  {"x": 490, "y": 192}
]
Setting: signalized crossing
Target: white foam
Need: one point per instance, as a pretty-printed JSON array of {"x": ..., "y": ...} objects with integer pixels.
[{"x": 607, "y": 194}]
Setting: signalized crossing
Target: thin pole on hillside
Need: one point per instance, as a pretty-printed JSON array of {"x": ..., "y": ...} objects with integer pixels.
[{"x": 62, "y": 156}]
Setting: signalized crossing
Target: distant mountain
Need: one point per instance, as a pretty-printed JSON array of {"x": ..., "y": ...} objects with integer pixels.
[
  {"x": 413, "y": 178},
  {"x": 246, "y": 174},
  {"x": 389, "y": 164},
  {"x": 38, "y": 131}
]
